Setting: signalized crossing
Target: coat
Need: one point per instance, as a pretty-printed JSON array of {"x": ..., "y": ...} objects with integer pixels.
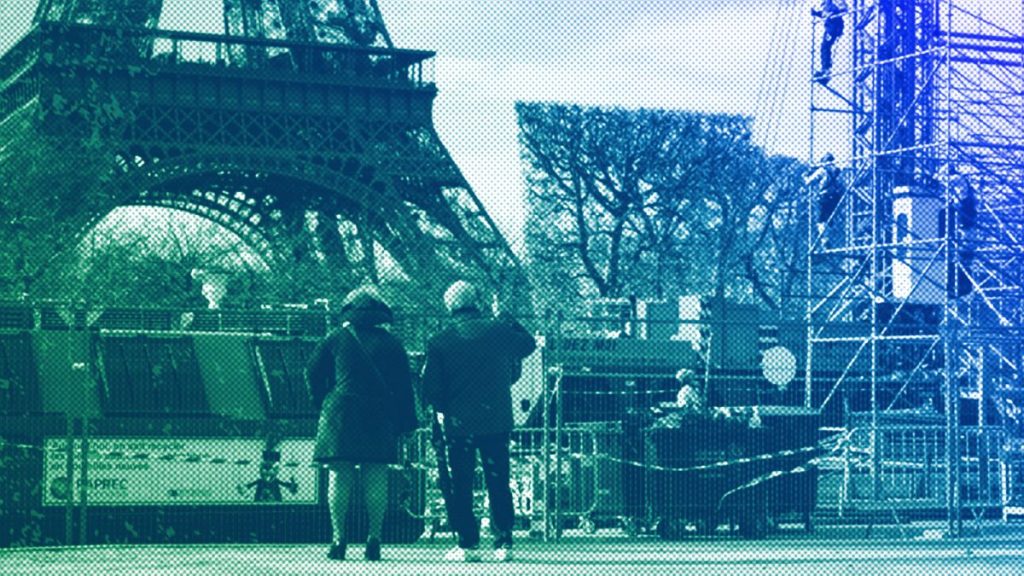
[
  {"x": 469, "y": 371},
  {"x": 363, "y": 411}
]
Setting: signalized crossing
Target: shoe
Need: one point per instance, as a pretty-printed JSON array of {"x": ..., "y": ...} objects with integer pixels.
[
  {"x": 503, "y": 546},
  {"x": 503, "y": 553},
  {"x": 372, "y": 552},
  {"x": 337, "y": 551},
  {"x": 459, "y": 554}
]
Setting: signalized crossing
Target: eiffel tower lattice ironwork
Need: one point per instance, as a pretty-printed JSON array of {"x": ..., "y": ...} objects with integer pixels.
[{"x": 301, "y": 129}]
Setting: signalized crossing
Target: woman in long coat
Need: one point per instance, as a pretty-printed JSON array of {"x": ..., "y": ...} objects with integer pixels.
[{"x": 359, "y": 375}]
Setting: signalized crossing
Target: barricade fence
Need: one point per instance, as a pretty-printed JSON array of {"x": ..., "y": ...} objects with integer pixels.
[
  {"x": 76, "y": 482},
  {"x": 182, "y": 486},
  {"x": 123, "y": 426},
  {"x": 553, "y": 477},
  {"x": 906, "y": 468}
]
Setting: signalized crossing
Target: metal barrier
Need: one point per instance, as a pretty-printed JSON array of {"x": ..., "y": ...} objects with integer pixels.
[
  {"x": 573, "y": 477},
  {"x": 1011, "y": 478},
  {"x": 580, "y": 461},
  {"x": 553, "y": 481},
  {"x": 148, "y": 480},
  {"x": 907, "y": 470},
  {"x": 584, "y": 394}
]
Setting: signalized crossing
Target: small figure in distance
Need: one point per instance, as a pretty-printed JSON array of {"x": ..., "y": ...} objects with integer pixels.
[
  {"x": 957, "y": 222},
  {"x": 267, "y": 488},
  {"x": 830, "y": 192},
  {"x": 832, "y": 12}
]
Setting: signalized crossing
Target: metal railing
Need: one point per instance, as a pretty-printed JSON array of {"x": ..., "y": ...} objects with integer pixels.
[
  {"x": 908, "y": 470},
  {"x": 100, "y": 45}
]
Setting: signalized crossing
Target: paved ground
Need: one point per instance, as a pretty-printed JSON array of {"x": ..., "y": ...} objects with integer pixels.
[
  {"x": 680, "y": 559},
  {"x": 913, "y": 550}
]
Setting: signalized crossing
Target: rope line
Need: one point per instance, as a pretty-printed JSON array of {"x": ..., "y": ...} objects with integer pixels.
[
  {"x": 830, "y": 445},
  {"x": 824, "y": 445}
]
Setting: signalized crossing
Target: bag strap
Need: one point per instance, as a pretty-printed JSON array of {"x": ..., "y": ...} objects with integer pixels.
[{"x": 369, "y": 359}]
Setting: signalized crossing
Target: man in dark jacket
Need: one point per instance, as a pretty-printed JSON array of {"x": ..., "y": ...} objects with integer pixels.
[
  {"x": 467, "y": 377},
  {"x": 830, "y": 192}
]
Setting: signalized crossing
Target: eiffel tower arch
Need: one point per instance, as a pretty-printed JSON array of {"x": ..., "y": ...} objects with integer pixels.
[{"x": 300, "y": 128}]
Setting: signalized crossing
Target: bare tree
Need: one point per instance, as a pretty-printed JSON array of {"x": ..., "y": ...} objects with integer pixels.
[
  {"x": 149, "y": 256},
  {"x": 774, "y": 257},
  {"x": 42, "y": 189},
  {"x": 653, "y": 203}
]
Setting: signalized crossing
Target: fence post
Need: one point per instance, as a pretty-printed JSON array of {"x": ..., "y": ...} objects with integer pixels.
[
  {"x": 548, "y": 391},
  {"x": 69, "y": 473},
  {"x": 558, "y": 454},
  {"x": 83, "y": 502},
  {"x": 955, "y": 523}
]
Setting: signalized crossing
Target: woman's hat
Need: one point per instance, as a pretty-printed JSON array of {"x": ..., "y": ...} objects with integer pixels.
[{"x": 461, "y": 294}]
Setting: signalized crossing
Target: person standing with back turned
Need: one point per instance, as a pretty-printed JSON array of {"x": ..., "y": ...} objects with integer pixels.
[
  {"x": 468, "y": 375},
  {"x": 359, "y": 375}
]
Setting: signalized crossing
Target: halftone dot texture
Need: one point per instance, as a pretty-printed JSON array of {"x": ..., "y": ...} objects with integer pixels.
[{"x": 189, "y": 188}]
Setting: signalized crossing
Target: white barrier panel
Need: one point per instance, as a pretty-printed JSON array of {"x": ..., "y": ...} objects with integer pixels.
[{"x": 127, "y": 471}]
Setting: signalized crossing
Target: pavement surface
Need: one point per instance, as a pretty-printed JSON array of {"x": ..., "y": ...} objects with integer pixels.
[{"x": 924, "y": 549}]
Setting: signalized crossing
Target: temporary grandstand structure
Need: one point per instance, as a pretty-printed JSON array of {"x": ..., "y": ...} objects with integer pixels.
[{"x": 920, "y": 292}]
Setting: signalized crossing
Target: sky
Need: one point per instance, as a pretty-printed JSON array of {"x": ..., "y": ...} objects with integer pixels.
[
  {"x": 703, "y": 55},
  {"x": 750, "y": 57}
]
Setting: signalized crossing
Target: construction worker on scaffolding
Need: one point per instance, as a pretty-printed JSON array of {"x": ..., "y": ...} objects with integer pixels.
[
  {"x": 832, "y": 12},
  {"x": 957, "y": 222},
  {"x": 830, "y": 191}
]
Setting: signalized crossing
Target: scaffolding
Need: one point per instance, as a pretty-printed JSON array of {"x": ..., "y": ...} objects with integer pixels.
[{"x": 914, "y": 283}]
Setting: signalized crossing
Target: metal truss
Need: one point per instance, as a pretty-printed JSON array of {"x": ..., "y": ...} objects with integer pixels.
[
  {"x": 304, "y": 150},
  {"x": 348, "y": 22},
  {"x": 909, "y": 311}
]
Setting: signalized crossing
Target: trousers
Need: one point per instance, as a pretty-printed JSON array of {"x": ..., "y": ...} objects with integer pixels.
[
  {"x": 833, "y": 30},
  {"x": 494, "y": 459}
]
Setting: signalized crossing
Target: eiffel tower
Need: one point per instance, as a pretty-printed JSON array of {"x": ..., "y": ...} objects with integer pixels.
[{"x": 300, "y": 128}]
